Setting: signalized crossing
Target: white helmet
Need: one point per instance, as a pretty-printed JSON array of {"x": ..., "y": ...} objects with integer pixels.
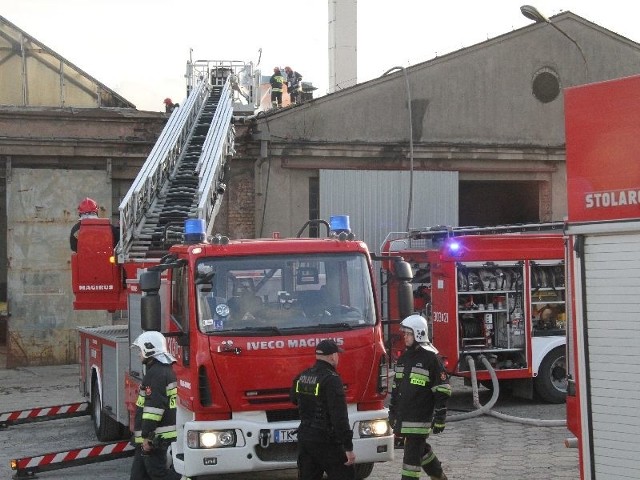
[
  {"x": 419, "y": 326},
  {"x": 153, "y": 344}
]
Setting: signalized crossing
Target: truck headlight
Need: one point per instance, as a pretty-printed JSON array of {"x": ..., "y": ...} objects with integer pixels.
[
  {"x": 211, "y": 438},
  {"x": 374, "y": 428}
]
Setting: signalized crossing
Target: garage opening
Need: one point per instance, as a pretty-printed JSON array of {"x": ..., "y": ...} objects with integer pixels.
[{"x": 498, "y": 203}]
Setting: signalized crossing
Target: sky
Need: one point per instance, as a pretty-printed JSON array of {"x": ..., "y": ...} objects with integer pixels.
[{"x": 139, "y": 48}]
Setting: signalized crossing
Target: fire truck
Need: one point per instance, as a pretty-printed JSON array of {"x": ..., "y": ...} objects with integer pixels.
[
  {"x": 496, "y": 293},
  {"x": 603, "y": 186},
  {"x": 242, "y": 317}
]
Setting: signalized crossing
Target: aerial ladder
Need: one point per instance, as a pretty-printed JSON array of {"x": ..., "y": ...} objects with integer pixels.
[{"x": 184, "y": 177}]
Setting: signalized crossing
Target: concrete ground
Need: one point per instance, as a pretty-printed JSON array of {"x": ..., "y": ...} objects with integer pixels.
[{"x": 481, "y": 448}]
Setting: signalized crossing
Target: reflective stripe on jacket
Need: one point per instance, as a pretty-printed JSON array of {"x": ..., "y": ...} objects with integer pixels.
[
  {"x": 420, "y": 387},
  {"x": 156, "y": 404}
]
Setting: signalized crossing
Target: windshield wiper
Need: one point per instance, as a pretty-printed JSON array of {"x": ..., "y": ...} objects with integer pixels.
[
  {"x": 271, "y": 329},
  {"x": 344, "y": 325}
]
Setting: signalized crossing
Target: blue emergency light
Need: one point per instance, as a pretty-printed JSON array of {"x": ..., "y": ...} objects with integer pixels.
[
  {"x": 455, "y": 248},
  {"x": 194, "y": 230},
  {"x": 339, "y": 224}
]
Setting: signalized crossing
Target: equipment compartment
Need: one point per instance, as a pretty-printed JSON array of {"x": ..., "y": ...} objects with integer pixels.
[{"x": 491, "y": 313}]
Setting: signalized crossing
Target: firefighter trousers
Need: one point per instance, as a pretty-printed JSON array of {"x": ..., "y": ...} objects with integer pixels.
[
  {"x": 152, "y": 465},
  {"x": 418, "y": 455},
  {"x": 315, "y": 458}
]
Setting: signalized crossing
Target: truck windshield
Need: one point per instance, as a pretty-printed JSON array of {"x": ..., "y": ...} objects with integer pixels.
[{"x": 273, "y": 295}]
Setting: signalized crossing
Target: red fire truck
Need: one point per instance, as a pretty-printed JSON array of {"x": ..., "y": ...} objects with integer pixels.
[
  {"x": 493, "y": 292},
  {"x": 603, "y": 187},
  {"x": 242, "y": 317}
]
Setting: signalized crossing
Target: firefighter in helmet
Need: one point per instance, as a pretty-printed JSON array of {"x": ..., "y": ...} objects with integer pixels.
[
  {"x": 155, "y": 422},
  {"x": 88, "y": 208},
  {"x": 169, "y": 106},
  {"x": 418, "y": 405}
]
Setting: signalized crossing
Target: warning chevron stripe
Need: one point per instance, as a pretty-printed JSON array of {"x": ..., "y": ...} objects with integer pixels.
[
  {"x": 28, "y": 466},
  {"x": 44, "y": 413}
]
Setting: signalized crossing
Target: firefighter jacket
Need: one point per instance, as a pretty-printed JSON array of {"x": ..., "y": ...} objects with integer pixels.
[
  {"x": 277, "y": 81},
  {"x": 322, "y": 404},
  {"x": 419, "y": 393},
  {"x": 156, "y": 404}
]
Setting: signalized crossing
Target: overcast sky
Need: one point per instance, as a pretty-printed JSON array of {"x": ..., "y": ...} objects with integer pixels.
[{"x": 139, "y": 48}]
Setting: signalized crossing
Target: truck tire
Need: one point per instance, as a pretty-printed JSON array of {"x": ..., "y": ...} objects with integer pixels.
[
  {"x": 551, "y": 382},
  {"x": 363, "y": 470},
  {"x": 106, "y": 428}
]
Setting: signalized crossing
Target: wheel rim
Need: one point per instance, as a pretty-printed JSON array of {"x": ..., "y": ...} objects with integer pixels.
[
  {"x": 97, "y": 410},
  {"x": 558, "y": 374}
]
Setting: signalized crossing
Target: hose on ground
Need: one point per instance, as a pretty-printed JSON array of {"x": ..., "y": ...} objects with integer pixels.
[{"x": 487, "y": 408}]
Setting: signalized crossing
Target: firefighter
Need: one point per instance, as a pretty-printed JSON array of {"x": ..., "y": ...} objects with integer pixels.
[
  {"x": 325, "y": 438},
  {"x": 169, "y": 106},
  {"x": 155, "y": 422},
  {"x": 418, "y": 405},
  {"x": 277, "y": 82},
  {"x": 88, "y": 208}
]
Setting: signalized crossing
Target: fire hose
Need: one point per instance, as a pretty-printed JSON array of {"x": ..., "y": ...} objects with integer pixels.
[{"x": 487, "y": 408}]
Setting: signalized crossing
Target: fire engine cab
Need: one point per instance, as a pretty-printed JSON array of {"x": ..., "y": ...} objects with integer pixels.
[
  {"x": 242, "y": 317},
  {"x": 603, "y": 189},
  {"x": 496, "y": 293}
]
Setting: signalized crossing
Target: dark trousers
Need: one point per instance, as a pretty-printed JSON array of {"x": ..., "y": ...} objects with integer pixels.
[
  {"x": 316, "y": 458},
  {"x": 419, "y": 456},
  {"x": 276, "y": 98},
  {"x": 152, "y": 465}
]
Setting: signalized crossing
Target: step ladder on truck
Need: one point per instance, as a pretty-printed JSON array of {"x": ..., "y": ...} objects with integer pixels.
[{"x": 242, "y": 317}]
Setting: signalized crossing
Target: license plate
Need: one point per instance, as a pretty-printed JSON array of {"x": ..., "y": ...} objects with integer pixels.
[{"x": 286, "y": 435}]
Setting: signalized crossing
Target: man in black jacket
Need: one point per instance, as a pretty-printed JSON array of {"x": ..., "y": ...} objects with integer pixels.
[
  {"x": 155, "y": 422},
  {"x": 418, "y": 405},
  {"x": 325, "y": 439},
  {"x": 294, "y": 80}
]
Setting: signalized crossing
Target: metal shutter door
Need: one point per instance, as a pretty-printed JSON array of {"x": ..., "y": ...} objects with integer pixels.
[{"x": 612, "y": 284}]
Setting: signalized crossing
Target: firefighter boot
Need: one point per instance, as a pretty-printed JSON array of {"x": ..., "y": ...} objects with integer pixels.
[
  {"x": 442, "y": 476},
  {"x": 431, "y": 465}
]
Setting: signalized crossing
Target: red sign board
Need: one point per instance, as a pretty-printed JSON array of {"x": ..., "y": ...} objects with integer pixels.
[{"x": 602, "y": 124}]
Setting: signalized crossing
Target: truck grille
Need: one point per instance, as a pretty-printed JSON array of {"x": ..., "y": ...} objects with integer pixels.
[
  {"x": 274, "y": 395},
  {"x": 282, "y": 415},
  {"x": 278, "y": 452}
]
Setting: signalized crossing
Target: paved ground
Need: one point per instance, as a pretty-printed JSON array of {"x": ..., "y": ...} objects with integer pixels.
[{"x": 479, "y": 448}]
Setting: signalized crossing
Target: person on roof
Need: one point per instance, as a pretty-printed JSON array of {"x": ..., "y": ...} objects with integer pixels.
[
  {"x": 277, "y": 82},
  {"x": 294, "y": 84},
  {"x": 169, "y": 106}
]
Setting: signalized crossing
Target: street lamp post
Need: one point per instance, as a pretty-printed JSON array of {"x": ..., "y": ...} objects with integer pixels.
[
  {"x": 406, "y": 80},
  {"x": 532, "y": 13}
]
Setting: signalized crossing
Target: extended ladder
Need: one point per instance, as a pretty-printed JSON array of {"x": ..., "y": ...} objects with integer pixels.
[{"x": 184, "y": 175}]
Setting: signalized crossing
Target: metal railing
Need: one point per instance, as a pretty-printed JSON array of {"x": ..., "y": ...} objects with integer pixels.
[
  {"x": 159, "y": 166},
  {"x": 218, "y": 145}
]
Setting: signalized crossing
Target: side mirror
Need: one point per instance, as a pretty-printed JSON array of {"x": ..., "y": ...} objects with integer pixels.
[
  {"x": 404, "y": 274},
  {"x": 403, "y": 270},
  {"x": 150, "y": 308}
]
